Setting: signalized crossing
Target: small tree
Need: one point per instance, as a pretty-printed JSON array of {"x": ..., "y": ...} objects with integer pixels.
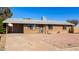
[
  {"x": 5, "y": 13},
  {"x": 75, "y": 22},
  {"x": 1, "y": 26}
]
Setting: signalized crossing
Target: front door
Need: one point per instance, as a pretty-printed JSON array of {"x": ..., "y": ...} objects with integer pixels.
[
  {"x": 10, "y": 29},
  {"x": 18, "y": 28}
]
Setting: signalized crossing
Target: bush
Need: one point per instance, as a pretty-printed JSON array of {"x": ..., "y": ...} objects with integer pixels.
[{"x": 1, "y": 26}]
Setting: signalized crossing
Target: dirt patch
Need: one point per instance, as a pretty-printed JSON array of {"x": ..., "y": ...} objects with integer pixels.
[
  {"x": 2, "y": 42},
  {"x": 63, "y": 40},
  {"x": 45, "y": 42}
]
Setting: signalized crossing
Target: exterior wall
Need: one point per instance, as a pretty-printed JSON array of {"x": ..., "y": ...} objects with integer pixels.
[
  {"x": 28, "y": 30},
  {"x": 20, "y": 28},
  {"x": 56, "y": 29},
  {"x": 16, "y": 28},
  {"x": 76, "y": 30},
  {"x": 59, "y": 29},
  {"x": 36, "y": 30}
]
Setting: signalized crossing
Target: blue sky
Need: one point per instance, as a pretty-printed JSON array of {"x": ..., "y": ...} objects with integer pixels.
[{"x": 51, "y": 13}]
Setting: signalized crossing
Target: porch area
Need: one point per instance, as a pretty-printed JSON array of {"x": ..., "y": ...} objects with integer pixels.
[
  {"x": 39, "y": 28},
  {"x": 27, "y": 28}
]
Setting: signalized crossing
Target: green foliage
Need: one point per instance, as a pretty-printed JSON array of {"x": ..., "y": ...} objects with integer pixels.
[
  {"x": 1, "y": 26},
  {"x": 4, "y": 14},
  {"x": 75, "y": 22},
  {"x": 2, "y": 30}
]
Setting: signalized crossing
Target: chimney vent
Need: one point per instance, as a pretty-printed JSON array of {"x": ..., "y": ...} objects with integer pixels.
[{"x": 43, "y": 18}]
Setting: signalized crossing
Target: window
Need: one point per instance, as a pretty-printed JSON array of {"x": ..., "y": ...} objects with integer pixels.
[
  {"x": 50, "y": 27},
  {"x": 64, "y": 27},
  {"x": 31, "y": 26}
]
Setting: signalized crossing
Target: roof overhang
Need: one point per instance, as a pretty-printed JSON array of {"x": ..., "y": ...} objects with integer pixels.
[{"x": 26, "y": 21}]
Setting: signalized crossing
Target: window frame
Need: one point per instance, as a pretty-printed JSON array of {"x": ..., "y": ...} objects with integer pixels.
[
  {"x": 31, "y": 26},
  {"x": 50, "y": 27}
]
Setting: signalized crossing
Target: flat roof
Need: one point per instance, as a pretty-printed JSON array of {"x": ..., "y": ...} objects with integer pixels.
[{"x": 32, "y": 21}]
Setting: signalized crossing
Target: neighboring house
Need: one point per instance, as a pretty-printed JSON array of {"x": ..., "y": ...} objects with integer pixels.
[
  {"x": 37, "y": 26},
  {"x": 76, "y": 29}
]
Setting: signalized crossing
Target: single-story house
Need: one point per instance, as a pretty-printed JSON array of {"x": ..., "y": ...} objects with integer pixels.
[
  {"x": 28, "y": 25},
  {"x": 76, "y": 29}
]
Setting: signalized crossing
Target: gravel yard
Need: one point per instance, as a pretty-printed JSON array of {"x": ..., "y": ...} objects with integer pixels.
[{"x": 41, "y": 42}]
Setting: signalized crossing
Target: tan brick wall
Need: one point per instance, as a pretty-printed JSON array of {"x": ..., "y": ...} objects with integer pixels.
[
  {"x": 36, "y": 30},
  {"x": 28, "y": 30},
  {"x": 59, "y": 29},
  {"x": 76, "y": 30},
  {"x": 56, "y": 29}
]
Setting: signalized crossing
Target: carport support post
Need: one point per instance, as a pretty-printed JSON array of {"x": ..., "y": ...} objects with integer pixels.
[
  {"x": 12, "y": 29},
  {"x": 6, "y": 29},
  {"x": 46, "y": 29}
]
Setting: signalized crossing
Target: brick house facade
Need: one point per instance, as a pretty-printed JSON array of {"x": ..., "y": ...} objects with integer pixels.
[{"x": 37, "y": 26}]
